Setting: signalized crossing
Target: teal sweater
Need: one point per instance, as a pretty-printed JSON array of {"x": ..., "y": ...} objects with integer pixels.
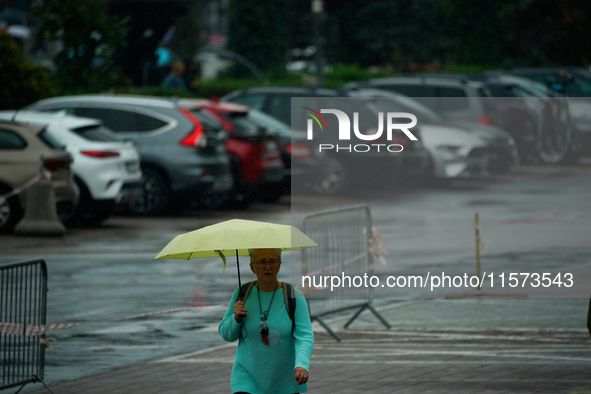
[{"x": 269, "y": 369}]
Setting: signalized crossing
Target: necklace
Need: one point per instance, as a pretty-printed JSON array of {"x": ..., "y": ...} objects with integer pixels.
[{"x": 265, "y": 315}]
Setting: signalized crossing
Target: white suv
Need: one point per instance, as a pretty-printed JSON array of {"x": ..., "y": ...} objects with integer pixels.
[{"x": 106, "y": 170}]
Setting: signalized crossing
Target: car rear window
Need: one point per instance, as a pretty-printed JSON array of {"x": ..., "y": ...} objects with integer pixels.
[
  {"x": 122, "y": 120},
  {"x": 49, "y": 140},
  {"x": 208, "y": 121},
  {"x": 96, "y": 133},
  {"x": 10, "y": 140},
  {"x": 269, "y": 122},
  {"x": 255, "y": 100},
  {"x": 243, "y": 126}
]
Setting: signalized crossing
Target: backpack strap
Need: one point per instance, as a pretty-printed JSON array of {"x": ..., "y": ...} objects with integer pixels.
[
  {"x": 243, "y": 295},
  {"x": 290, "y": 303},
  {"x": 245, "y": 290}
]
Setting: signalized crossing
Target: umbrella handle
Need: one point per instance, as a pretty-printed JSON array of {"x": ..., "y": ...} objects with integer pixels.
[{"x": 238, "y": 267}]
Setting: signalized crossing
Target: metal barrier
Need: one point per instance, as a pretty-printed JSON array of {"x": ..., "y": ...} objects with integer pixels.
[
  {"x": 23, "y": 302},
  {"x": 344, "y": 236}
]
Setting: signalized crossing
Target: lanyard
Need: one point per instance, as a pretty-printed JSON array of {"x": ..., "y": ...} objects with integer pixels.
[{"x": 264, "y": 315}]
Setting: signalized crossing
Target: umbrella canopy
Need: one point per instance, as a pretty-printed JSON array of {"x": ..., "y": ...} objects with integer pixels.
[
  {"x": 234, "y": 237},
  {"x": 236, "y": 234}
]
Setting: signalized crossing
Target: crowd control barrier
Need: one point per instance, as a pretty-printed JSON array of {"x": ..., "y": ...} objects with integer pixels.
[
  {"x": 23, "y": 303},
  {"x": 344, "y": 239}
]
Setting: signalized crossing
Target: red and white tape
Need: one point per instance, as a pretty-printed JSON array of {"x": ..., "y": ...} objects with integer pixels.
[
  {"x": 19, "y": 189},
  {"x": 24, "y": 329}
]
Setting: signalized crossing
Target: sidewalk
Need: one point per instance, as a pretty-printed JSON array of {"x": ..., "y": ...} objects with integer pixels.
[{"x": 434, "y": 346}]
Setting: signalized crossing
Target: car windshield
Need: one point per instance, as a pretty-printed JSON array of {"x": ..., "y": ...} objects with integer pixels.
[
  {"x": 580, "y": 86},
  {"x": 405, "y": 104},
  {"x": 269, "y": 122},
  {"x": 575, "y": 84},
  {"x": 97, "y": 133},
  {"x": 538, "y": 88}
]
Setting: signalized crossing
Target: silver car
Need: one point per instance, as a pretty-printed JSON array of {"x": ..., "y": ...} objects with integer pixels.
[
  {"x": 181, "y": 158},
  {"x": 454, "y": 151}
]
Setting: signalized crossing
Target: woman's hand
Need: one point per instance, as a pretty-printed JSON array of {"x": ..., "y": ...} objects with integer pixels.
[
  {"x": 239, "y": 311},
  {"x": 301, "y": 375}
]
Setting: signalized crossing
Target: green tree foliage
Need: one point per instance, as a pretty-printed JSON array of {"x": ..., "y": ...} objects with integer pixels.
[
  {"x": 22, "y": 82},
  {"x": 479, "y": 30},
  {"x": 261, "y": 30},
  {"x": 90, "y": 39},
  {"x": 553, "y": 31},
  {"x": 417, "y": 34},
  {"x": 527, "y": 32},
  {"x": 383, "y": 31}
]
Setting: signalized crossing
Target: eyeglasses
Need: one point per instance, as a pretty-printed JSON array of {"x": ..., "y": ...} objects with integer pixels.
[{"x": 263, "y": 263}]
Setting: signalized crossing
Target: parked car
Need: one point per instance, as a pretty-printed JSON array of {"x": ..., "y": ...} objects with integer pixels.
[
  {"x": 181, "y": 159},
  {"x": 568, "y": 81},
  {"x": 106, "y": 170},
  {"x": 24, "y": 150},
  {"x": 540, "y": 128},
  {"x": 303, "y": 168},
  {"x": 500, "y": 145},
  {"x": 453, "y": 151},
  {"x": 571, "y": 83},
  {"x": 255, "y": 155},
  {"x": 373, "y": 168}
]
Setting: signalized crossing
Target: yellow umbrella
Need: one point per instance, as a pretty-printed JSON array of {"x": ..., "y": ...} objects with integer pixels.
[{"x": 234, "y": 236}]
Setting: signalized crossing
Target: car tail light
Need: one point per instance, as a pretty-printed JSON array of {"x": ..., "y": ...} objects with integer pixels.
[
  {"x": 197, "y": 136},
  {"x": 54, "y": 163},
  {"x": 100, "y": 154},
  {"x": 487, "y": 120},
  {"x": 301, "y": 151}
]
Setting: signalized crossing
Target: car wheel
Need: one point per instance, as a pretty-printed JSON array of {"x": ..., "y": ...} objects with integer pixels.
[
  {"x": 274, "y": 193},
  {"x": 156, "y": 194},
  {"x": 241, "y": 198},
  {"x": 241, "y": 195},
  {"x": 87, "y": 212},
  {"x": 554, "y": 136},
  {"x": 333, "y": 180},
  {"x": 10, "y": 211}
]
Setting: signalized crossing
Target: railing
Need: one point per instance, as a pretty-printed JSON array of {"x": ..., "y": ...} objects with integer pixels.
[
  {"x": 23, "y": 304},
  {"x": 343, "y": 236}
]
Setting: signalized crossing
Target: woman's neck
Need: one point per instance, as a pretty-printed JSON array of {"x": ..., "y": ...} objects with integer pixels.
[{"x": 268, "y": 287}]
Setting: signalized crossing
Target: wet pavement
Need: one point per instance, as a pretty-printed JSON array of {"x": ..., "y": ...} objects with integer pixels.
[{"x": 435, "y": 344}]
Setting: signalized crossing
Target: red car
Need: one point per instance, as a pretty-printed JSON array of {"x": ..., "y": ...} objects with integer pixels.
[{"x": 255, "y": 154}]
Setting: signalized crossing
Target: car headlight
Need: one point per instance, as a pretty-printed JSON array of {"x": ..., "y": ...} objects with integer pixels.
[{"x": 452, "y": 149}]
